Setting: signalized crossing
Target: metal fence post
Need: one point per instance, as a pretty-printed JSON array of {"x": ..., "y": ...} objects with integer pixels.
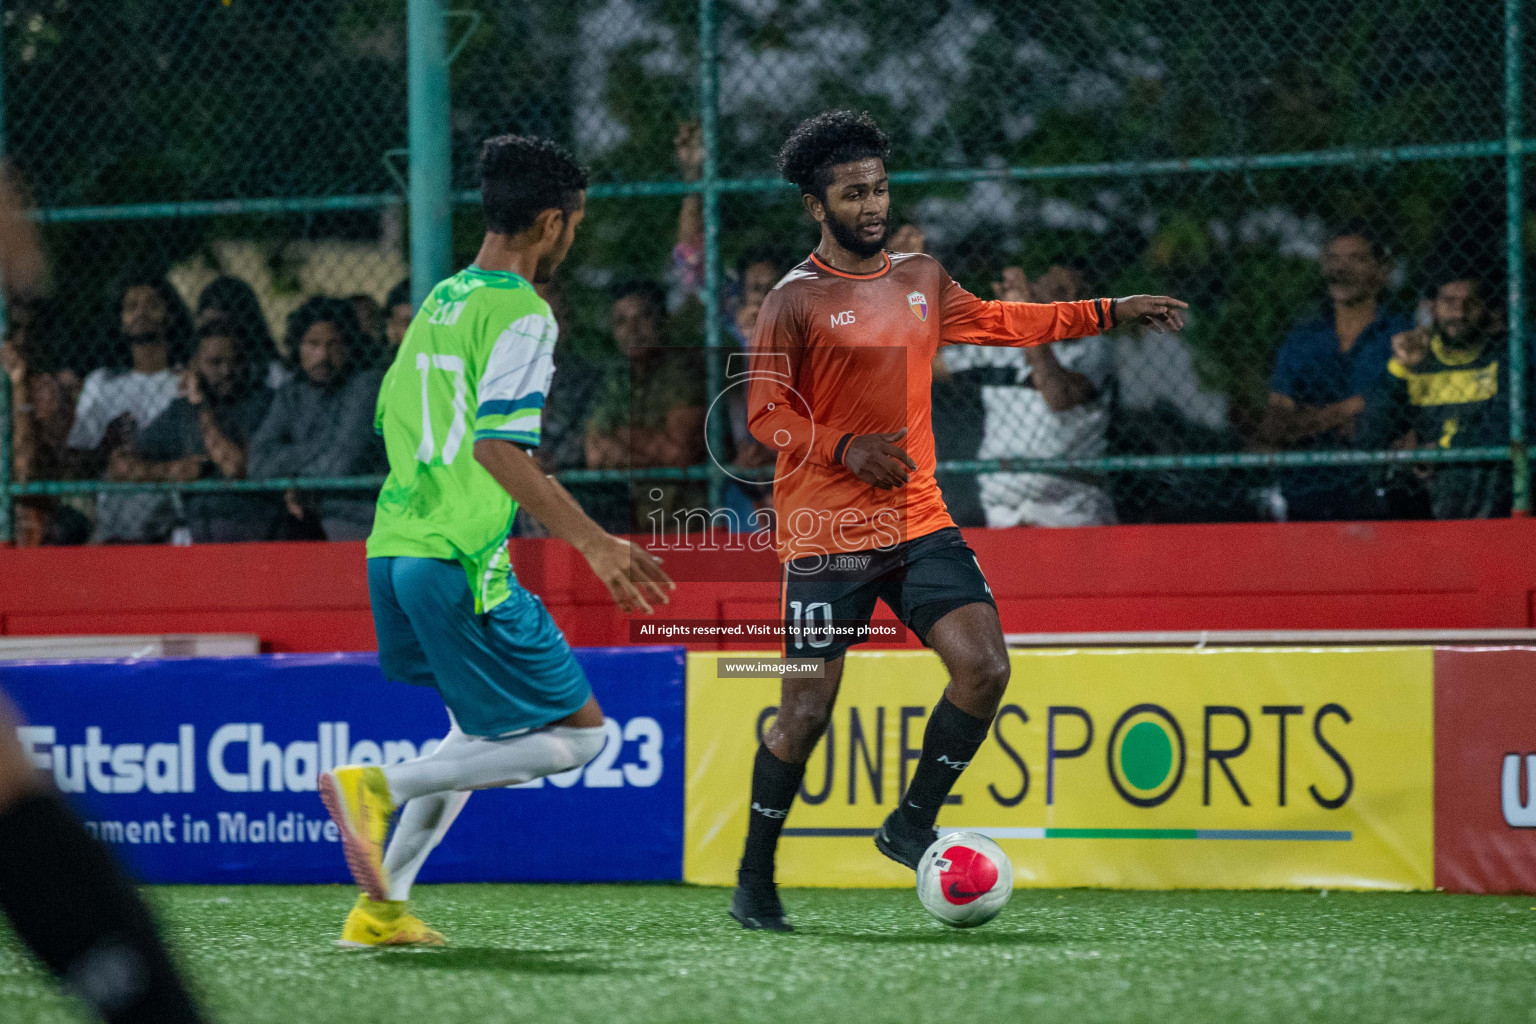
[
  {"x": 5, "y": 458},
  {"x": 709, "y": 109},
  {"x": 429, "y": 136},
  {"x": 1514, "y": 215},
  {"x": 6, "y": 423}
]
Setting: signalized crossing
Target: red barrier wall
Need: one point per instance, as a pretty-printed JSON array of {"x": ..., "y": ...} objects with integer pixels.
[
  {"x": 314, "y": 597},
  {"x": 1485, "y": 769}
]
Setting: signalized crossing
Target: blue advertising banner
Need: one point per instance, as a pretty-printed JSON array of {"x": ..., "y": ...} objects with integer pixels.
[{"x": 204, "y": 769}]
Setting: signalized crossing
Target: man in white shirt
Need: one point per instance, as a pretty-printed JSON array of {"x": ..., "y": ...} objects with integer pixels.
[
  {"x": 1048, "y": 401},
  {"x": 115, "y": 402}
]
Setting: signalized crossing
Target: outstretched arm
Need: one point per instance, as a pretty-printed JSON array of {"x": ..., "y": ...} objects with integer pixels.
[
  {"x": 967, "y": 320},
  {"x": 617, "y": 562},
  {"x": 1061, "y": 388}
]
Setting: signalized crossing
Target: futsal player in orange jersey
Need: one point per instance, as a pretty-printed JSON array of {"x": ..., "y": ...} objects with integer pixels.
[{"x": 840, "y": 382}]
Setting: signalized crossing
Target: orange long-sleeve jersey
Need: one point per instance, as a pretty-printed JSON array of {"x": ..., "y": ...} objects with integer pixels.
[{"x": 837, "y": 355}]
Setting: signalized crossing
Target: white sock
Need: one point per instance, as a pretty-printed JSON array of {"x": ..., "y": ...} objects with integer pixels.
[
  {"x": 477, "y": 762},
  {"x": 422, "y": 825}
]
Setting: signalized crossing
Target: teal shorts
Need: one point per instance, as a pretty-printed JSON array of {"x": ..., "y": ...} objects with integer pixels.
[{"x": 503, "y": 671}]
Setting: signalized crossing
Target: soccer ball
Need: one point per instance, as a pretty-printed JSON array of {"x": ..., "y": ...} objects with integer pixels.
[{"x": 964, "y": 879}]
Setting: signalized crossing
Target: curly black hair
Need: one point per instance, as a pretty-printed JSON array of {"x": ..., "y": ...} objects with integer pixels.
[
  {"x": 652, "y": 294},
  {"x": 521, "y": 176},
  {"x": 1490, "y": 282},
  {"x": 178, "y": 319},
  {"x": 822, "y": 142},
  {"x": 399, "y": 295},
  {"x": 324, "y": 309},
  {"x": 234, "y": 299}
]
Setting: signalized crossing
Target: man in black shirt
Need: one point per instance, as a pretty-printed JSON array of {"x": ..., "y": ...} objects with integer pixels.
[
  {"x": 1447, "y": 387},
  {"x": 320, "y": 424},
  {"x": 205, "y": 434}
]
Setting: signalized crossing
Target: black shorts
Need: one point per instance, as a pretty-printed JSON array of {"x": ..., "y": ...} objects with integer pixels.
[{"x": 828, "y": 599}]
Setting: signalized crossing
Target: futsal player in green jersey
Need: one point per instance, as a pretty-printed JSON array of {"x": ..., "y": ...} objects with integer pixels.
[{"x": 458, "y": 408}]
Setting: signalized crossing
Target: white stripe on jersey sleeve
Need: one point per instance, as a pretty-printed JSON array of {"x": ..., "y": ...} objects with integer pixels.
[{"x": 522, "y": 361}]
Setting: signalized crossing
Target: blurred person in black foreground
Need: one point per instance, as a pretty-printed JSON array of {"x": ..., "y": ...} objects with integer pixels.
[{"x": 66, "y": 899}]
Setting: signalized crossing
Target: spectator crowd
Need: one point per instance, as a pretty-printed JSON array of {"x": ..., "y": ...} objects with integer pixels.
[
  {"x": 180, "y": 398},
  {"x": 184, "y": 397}
]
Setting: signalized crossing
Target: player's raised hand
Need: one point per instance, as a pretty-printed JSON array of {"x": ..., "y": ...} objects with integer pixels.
[
  {"x": 1410, "y": 347},
  {"x": 190, "y": 387},
  {"x": 630, "y": 573},
  {"x": 1158, "y": 312},
  {"x": 688, "y": 144},
  {"x": 875, "y": 459}
]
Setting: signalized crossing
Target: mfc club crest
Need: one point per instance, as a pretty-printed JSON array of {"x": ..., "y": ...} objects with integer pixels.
[{"x": 919, "y": 303}]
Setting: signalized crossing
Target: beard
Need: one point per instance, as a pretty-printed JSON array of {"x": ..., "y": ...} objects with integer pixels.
[
  {"x": 850, "y": 239},
  {"x": 1460, "y": 334},
  {"x": 544, "y": 269},
  {"x": 1347, "y": 290}
]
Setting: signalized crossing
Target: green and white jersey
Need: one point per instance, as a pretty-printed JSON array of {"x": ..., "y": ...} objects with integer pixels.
[{"x": 475, "y": 363}]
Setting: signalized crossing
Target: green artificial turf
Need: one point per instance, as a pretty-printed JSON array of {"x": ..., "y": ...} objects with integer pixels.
[{"x": 639, "y": 954}]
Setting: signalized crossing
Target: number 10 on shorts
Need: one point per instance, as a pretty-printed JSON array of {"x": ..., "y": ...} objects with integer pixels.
[{"x": 804, "y": 629}]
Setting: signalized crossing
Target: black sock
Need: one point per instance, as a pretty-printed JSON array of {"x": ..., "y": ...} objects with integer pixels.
[
  {"x": 774, "y": 785},
  {"x": 950, "y": 741},
  {"x": 71, "y": 904}
]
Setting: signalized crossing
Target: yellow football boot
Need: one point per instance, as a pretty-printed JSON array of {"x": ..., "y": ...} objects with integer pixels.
[
  {"x": 358, "y": 800},
  {"x": 373, "y": 924}
]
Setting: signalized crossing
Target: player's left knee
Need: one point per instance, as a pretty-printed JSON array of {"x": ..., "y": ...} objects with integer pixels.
[{"x": 985, "y": 674}]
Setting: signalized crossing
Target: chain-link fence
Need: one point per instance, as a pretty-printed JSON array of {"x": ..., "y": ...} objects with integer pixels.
[{"x": 1327, "y": 184}]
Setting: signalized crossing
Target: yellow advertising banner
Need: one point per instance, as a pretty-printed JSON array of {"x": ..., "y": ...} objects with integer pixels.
[{"x": 1223, "y": 768}]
